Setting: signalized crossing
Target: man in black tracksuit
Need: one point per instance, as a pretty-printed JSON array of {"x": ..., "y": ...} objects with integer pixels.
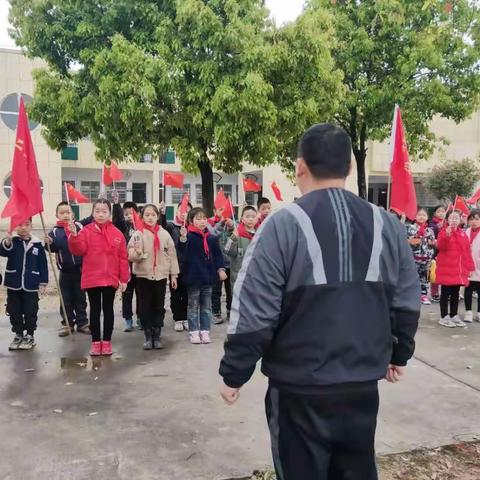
[{"x": 328, "y": 297}]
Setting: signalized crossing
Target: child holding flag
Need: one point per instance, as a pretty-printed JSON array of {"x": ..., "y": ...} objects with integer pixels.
[
  {"x": 70, "y": 268},
  {"x": 203, "y": 266},
  {"x": 264, "y": 209},
  {"x": 422, "y": 241},
  {"x": 152, "y": 251},
  {"x": 454, "y": 265},
  {"x": 105, "y": 269},
  {"x": 474, "y": 286},
  {"x": 239, "y": 241},
  {"x": 26, "y": 275}
]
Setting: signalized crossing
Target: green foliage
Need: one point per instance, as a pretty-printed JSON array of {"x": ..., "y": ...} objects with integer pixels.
[
  {"x": 453, "y": 177},
  {"x": 421, "y": 54}
]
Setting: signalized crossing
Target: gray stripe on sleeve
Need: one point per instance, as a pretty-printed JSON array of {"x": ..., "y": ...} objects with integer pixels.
[{"x": 373, "y": 273}]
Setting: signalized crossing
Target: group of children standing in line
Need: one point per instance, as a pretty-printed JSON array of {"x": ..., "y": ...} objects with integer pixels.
[
  {"x": 131, "y": 250},
  {"x": 446, "y": 250}
]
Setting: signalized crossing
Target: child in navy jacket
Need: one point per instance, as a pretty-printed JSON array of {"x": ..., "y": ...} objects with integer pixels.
[
  {"x": 203, "y": 265},
  {"x": 25, "y": 275},
  {"x": 70, "y": 268}
]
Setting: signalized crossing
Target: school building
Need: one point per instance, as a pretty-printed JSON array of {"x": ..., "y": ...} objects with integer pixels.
[{"x": 142, "y": 181}]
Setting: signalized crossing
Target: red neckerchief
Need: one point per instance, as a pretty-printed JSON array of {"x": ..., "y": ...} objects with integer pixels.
[
  {"x": 65, "y": 226},
  {"x": 179, "y": 221},
  {"x": 473, "y": 233},
  {"x": 204, "y": 235},
  {"x": 422, "y": 228},
  {"x": 106, "y": 230},
  {"x": 156, "y": 240},
  {"x": 214, "y": 220},
  {"x": 243, "y": 232},
  {"x": 439, "y": 221}
]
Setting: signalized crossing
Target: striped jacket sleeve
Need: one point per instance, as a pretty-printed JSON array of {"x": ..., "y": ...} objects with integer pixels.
[{"x": 257, "y": 301}]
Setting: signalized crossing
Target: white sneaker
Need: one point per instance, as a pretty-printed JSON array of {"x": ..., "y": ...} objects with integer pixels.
[
  {"x": 447, "y": 322},
  {"x": 195, "y": 337},
  {"x": 178, "y": 326},
  {"x": 468, "y": 317},
  {"x": 185, "y": 325},
  {"x": 477, "y": 317},
  {"x": 458, "y": 321}
]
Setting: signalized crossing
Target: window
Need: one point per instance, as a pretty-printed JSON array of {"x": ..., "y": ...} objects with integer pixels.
[
  {"x": 198, "y": 194},
  {"x": 90, "y": 189},
  {"x": 139, "y": 192},
  {"x": 9, "y": 110},
  {"x": 227, "y": 189},
  {"x": 168, "y": 157},
  {"x": 147, "y": 158},
  {"x": 7, "y": 185},
  {"x": 251, "y": 198},
  {"x": 70, "y": 152},
  {"x": 177, "y": 193},
  {"x": 64, "y": 193},
  {"x": 121, "y": 188}
]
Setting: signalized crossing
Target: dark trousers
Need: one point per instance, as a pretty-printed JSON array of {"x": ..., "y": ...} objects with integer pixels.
[
  {"x": 22, "y": 307},
  {"x": 101, "y": 298},
  {"x": 217, "y": 294},
  {"x": 74, "y": 298},
  {"x": 324, "y": 436},
  {"x": 127, "y": 299},
  {"x": 473, "y": 287},
  {"x": 179, "y": 301},
  {"x": 151, "y": 300},
  {"x": 449, "y": 296}
]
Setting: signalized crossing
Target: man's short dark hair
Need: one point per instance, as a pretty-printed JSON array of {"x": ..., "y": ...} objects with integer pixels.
[
  {"x": 262, "y": 201},
  {"x": 327, "y": 151},
  {"x": 247, "y": 209},
  {"x": 62, "y": 204},
  {"x": 130, "y": 205}
]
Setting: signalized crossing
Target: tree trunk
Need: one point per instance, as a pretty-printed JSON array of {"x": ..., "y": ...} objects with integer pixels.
[
  {"x": 207, "y": 185},
  {"x": 360, "y": 156}
]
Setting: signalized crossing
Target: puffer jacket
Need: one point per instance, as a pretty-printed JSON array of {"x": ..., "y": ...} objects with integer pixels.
[
  {"x": 235, "y": 249},
  {"x": 143, "y": 266},
  {"x": 475, "y": 248},
  {"x": 454, "y": 260},
  {"x": 105, "y": 263}
]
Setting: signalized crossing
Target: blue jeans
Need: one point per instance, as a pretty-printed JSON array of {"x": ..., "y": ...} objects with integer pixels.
[{"x": 199, "y": 312}]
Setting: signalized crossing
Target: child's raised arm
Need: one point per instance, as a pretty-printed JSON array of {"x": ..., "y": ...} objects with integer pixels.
[
  {"x": 6, "y": 245},
  {"x": 231, "y": 247},
  {"x": 135, "y": 248},
  {"x": 77, "y": 241}
]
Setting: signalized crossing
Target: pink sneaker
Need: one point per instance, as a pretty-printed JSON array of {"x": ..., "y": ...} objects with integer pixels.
[
  {"x": 195, "y": 337},
  {"x": 205, "y": 336},
  {"x": 425, "y": 301},
  {"x": 107, "y": 348},
  {"x": 96, "y": 349}
]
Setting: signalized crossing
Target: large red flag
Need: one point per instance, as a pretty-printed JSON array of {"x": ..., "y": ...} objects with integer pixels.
[
  {"x": 403, "y": 197},
  {"x": 26, "y": 194},
  {"x": 73, "y": 195},
  {"x": 115, "y": 173},
  {"x": 250, "y": 185},
  {"x": 461, "y": 206},
  {"x": 106, "y": 177},
  {"x": 277, "y": 192},
  {"x": 474, "y": 198},
  {"x": 173, "y": 179}
]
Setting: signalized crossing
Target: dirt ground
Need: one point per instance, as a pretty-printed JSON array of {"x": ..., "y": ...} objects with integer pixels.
[{"x": 453, "y": 462}]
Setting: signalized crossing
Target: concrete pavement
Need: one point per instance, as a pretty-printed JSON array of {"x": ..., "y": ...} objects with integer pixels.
[{"x": 157, "y": 415}]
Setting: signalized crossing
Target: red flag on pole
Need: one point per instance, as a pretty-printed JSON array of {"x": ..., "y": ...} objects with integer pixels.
[
  {"x": 474, "y": 198},
  {"x": 115, "y": 173},
  {"x": 403, "y": 197},
  {"x": 26, "y": 194},
  {"x": 73, "y": 195},
  {"x": 228, "y": 212},
  {"x": 137, "y": 221},
  {"x": 173, "y": 179},
  {"x": 277, "y": 192},
  {"x": 250, "y": 185},
  {"x": 461, "y": 206},
  {"x": 221, "y": 200},
  {"x": 184, "y": 204},
  {"x": 106, "y": 177}
]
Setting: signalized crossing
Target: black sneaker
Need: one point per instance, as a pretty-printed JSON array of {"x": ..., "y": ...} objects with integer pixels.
[
  {"x": 16, "y": 342},
  {"x": 218, "y": 319},
  {"x": 28, "y": 343}
]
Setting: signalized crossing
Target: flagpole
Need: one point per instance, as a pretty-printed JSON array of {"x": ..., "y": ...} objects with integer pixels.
[
  {"x": 233, "y": 212},
  {"x": 54, "y": 270},
  {"x": 163, "y": 186},
  {"x": 392, "y": 150},
  {"x": 66, "y": 192}
]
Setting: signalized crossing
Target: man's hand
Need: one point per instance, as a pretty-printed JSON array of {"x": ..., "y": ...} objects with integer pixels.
[
  {"x": 122, "y": 287},
  {"x": 229, "y": 395},
  {"x": 173, "y": 283},
  {"x": 394, "y": 373},
  {"x": 222, "y": 275}
]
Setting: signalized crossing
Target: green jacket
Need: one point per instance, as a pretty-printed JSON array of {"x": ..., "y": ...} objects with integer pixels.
[{"x": 235, "y": 249}]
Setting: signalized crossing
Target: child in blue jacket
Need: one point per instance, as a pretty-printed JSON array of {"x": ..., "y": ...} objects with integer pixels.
[
  {"x": 203, "y": 266},
  {"x": 25, "y": 275}
]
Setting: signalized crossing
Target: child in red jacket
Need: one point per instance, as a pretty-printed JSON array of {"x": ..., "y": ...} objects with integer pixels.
[
  {"x": 105, "y": 269},
  {"x": 454, "y": 265}
]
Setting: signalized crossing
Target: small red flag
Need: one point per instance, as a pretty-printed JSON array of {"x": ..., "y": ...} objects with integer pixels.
[
  {"x": 73, "y": 195},
  {"x": 173, "y": 179},
  {"x": 277, "y": 192},
  {"x": 137, "y": 221},
  {"x": 115, "y": 173},
  {"x": 449, "y": 208},
  {"x": 26, "y": 194},
  {"x": 474, "y": 198},
  {"x": 228, "y": 212},
  {"x": 184, "y": 204},
  {"x": 106, "y": 177},
  {"x": 461, "y": 206},
  {"x": 403, "y": 197},
  {"x": 250, "y": 185},
  {"x": 221, "y": 200}
]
